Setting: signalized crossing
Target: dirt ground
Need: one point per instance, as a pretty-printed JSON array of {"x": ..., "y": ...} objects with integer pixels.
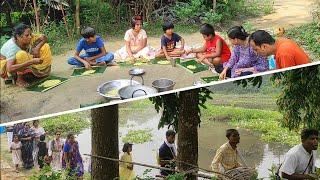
[{"x": 17, "y": 103}]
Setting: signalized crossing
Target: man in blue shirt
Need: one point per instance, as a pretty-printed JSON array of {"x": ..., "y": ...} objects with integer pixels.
[
  {"x": 95, "y": 53},
  {"x": 168, "y": 153}
]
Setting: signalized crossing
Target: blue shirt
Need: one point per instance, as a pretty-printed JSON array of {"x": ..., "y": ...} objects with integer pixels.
[
  {"x": 92, "y": 49},
  {"x": 170, "y": 44}
]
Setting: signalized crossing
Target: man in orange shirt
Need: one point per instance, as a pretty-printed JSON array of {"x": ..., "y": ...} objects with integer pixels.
[{"x": 287, "y": 52}]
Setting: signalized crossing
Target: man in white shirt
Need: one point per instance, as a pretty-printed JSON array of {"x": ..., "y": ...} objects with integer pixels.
[{"x": 300, "y": 160}]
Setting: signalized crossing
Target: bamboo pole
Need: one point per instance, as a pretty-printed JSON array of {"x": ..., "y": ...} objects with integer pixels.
[{"x": 161, "y": 168}]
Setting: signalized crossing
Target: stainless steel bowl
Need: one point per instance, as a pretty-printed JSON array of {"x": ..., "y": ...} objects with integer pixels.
[
  {"x": 136, "y": 71},
  {"x": 163, "y": 84},
  {"x": 104, "y": 88}
]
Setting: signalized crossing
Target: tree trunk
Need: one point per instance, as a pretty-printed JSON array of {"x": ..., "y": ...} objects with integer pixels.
[
  {"x": 77, "y": 16},
  {"x": 214, "y": 5},
  {"x": 105, "y": 142},
  {"x": 188, "y": 130},
  {"x": 36, "y": 15}
]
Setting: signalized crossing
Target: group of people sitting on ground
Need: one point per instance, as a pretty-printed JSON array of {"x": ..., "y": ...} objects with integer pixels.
[
  {"x": 29, "y": 54},
  {"x": 298, "y": 163},
  {"x": 31, "y": 149}
]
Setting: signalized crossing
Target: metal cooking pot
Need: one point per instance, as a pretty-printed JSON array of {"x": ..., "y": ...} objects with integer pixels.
[
  {"x": 163, "y": 84},
  {"x": 106, "y": 87},
  {"x": 133, "y": 91}
]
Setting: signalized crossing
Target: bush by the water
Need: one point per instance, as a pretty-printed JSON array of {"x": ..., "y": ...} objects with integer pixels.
[
  {"x": 138, "y": 136},
  {"x": 73, "y": 123},
  {"x": 266, "y": 123}
]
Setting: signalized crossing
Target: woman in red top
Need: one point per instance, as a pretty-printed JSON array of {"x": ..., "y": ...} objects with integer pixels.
[{"x": 215, "y": 51}]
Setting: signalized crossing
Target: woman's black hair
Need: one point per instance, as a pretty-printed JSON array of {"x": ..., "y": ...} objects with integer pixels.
[
  {"x": 207, "y": 29},
  {"x": 126, "y": 146},
  {"x": 35, "y": 122},
  {"x": 88, "y": 32},
  {"x": 134, "y": 21},
  {"x": 19, "y": 29},
  {"x": 69, "y": 135},
  {"x": 167, "y": 25},
  {"x": 237, "y": 32}
]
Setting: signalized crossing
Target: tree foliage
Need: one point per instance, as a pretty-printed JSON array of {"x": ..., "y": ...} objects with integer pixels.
[
  {"x": 170, "y": 107},
  {"x": 299, "y": 101}
]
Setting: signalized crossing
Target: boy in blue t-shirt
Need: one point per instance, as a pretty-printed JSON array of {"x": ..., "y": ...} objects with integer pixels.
[
  {"x": 95, "y": 53},
  {"x": 169, "y": 41}
]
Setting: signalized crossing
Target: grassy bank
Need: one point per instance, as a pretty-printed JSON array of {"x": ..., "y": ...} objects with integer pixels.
[
  {"x": 308, "y": 36},
  {"x": 264, "y": 122}
]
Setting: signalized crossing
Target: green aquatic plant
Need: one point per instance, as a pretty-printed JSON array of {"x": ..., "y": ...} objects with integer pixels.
[{"x": 138, "y": 136}]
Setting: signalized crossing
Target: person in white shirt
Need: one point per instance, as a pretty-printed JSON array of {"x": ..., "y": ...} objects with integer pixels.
[
  {"x": 38, "y": 131},
  {"x": 299, "y": 162}
]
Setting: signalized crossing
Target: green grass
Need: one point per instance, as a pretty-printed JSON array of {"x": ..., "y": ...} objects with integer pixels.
[
  {"x": 308, "y": 36},
  {"x": 265, "y": 122}
]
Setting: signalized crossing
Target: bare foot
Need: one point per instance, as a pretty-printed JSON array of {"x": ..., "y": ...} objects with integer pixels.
[
  {"x": 112, "y": 64},
  {"x": 101, "y": 64},
  {"x": 21, "y": 83}
]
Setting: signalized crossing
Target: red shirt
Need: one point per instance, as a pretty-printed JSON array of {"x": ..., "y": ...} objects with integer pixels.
[
  {"x": 211, "y": 47},
  {"x": 288, "y": 54}
]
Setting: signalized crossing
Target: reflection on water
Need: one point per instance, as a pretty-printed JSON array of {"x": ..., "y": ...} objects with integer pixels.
[{"x": 255, "y": 152}]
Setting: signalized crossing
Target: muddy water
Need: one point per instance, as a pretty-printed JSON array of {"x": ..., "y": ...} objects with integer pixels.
[{"x": 256, "y": 153}]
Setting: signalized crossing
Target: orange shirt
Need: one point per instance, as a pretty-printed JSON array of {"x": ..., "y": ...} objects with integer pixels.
[{"x": 288, "y": 54}]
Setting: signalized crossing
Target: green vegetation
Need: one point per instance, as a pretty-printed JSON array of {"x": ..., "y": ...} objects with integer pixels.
[
  {"x": 265, "y": 122},
  {"x": 75, "y": 123},
  {"x": 47, "y": 173},
  {"x": 138, "y": 136},
  {"x": 308, "y": 36}
]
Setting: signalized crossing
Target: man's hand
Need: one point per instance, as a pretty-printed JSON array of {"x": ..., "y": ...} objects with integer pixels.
[{"x": 87, "y": 65}]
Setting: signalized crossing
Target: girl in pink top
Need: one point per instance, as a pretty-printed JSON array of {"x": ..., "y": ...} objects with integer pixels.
[{"x": 136, "y": 43}]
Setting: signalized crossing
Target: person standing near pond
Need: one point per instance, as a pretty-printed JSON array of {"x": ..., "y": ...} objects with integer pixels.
[
  {"x": 72, "y": 159},
  {"x": 25, "y": 53},
  {"x": 95, "y": 52},
  {"x": 26, "y": 136},
  {"x": 135, "y": 43},
  {"x": 168, "y": 153},
  {"x": 126, "y": 169},
  {"x": 56, "y": 150},
  {"x": 15, "y": 149},
  {"x": 243, "y": 61},
  {"x": 227, "y": 156},
  {"x": 287, "y": 53},
  {"x": 299, "y": 162},
  {"x": 38, "y": 131}
]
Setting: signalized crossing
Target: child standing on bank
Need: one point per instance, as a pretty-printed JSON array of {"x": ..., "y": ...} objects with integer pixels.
[
  {"x": 215, "y": 52},
  {"x": 43, "y": 151},
  {"x": 169, "y": 42},
  {"x": 15, "y": 149}
]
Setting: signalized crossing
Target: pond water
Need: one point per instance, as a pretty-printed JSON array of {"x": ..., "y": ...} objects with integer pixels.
[{"x": 256, "y": 153}]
